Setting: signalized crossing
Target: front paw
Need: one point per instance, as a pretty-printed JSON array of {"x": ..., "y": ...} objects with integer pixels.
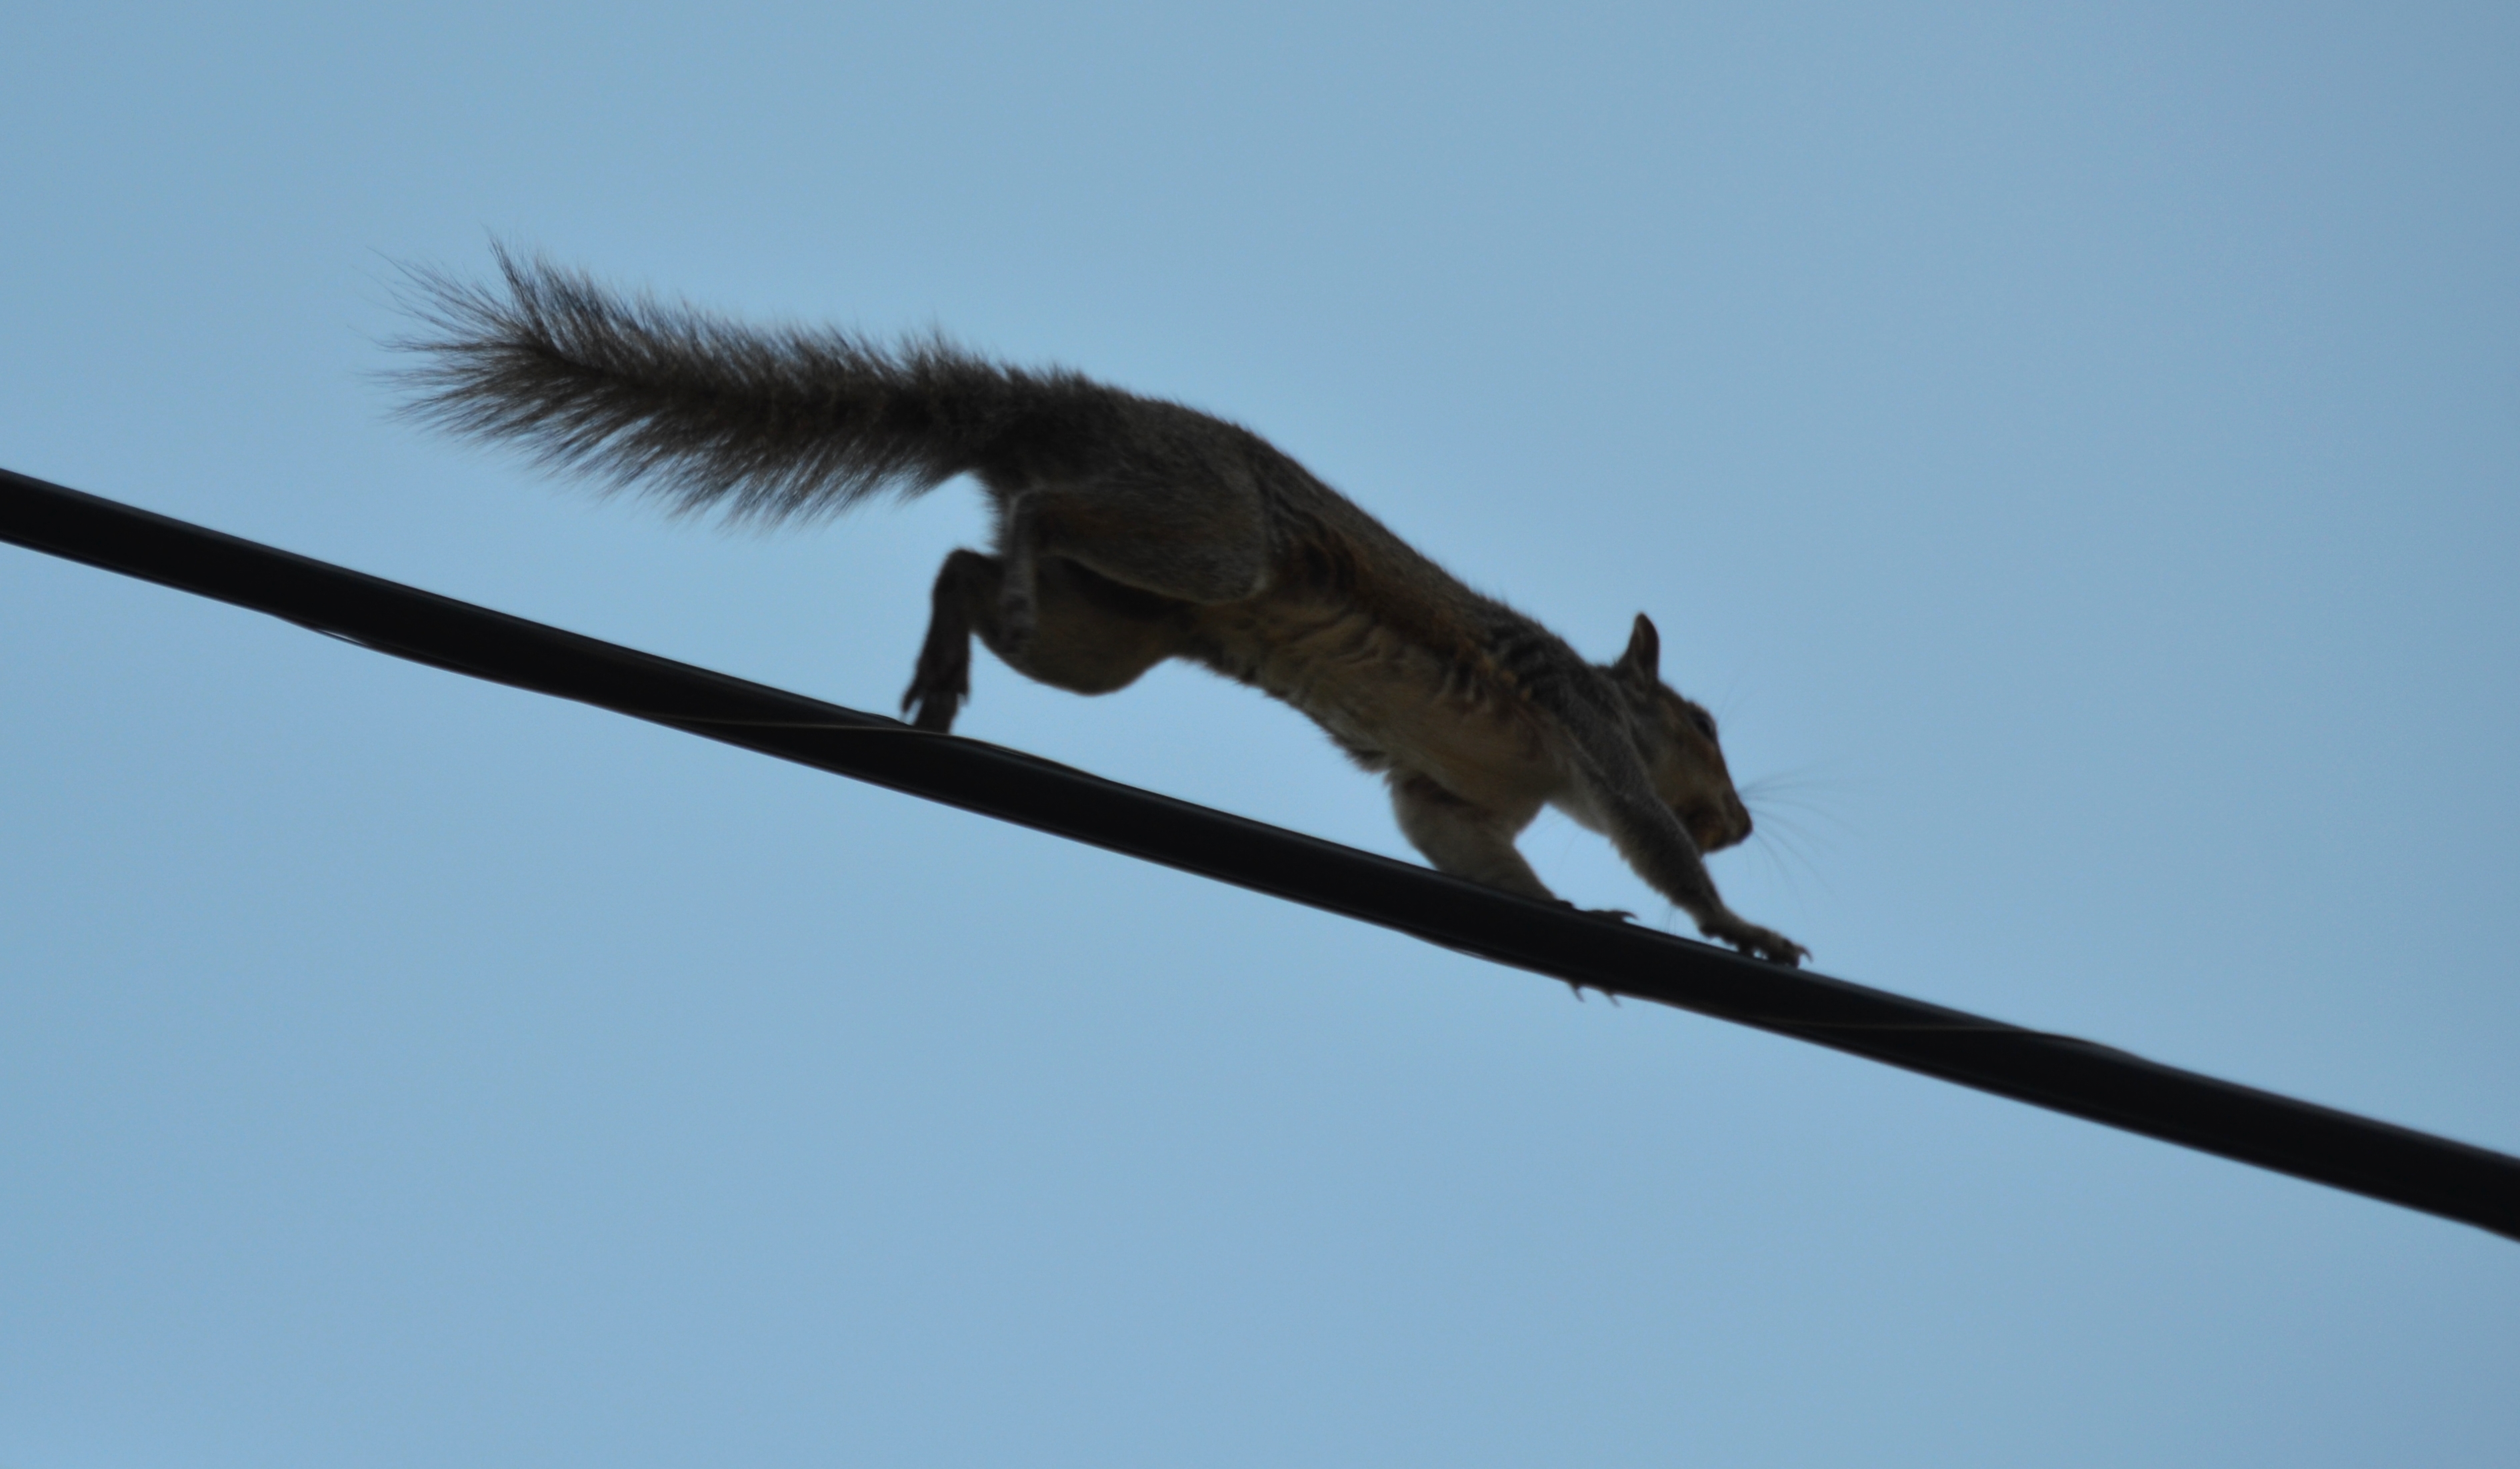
[
  {"x": 1759, "y": 942},
  {"x": 1615, "y": 915}
]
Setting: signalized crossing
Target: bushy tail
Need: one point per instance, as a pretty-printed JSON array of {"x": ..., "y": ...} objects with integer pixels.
[{"x": 763, "y": 424}]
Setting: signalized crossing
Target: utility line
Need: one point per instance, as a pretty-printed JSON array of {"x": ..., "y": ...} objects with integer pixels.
[{"x": 2067, "y": 1075}]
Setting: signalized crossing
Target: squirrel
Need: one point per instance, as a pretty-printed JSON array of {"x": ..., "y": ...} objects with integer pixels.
[{"x": 1129, "y": 530}]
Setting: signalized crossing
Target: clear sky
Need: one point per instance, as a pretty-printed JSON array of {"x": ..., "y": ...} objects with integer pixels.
[{"x": 2073, "y": 448}]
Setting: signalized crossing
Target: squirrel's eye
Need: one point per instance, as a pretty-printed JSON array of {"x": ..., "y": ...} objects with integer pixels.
[{"x": 1704, "y": 722}]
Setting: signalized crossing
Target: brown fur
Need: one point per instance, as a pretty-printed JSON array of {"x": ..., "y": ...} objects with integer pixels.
[{"x": 1129, "y": 531}]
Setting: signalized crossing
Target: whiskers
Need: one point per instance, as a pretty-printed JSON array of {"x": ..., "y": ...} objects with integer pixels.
[{"x": 1790, "y": 821}]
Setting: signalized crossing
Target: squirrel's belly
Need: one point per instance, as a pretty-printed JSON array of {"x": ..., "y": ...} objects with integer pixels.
[{"x": 1386, "y": 697}]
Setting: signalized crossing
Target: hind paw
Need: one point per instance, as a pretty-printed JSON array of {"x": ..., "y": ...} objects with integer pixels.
[
  {"x": 933, "y": 697},
  {"x": 1018, "y": 618}
]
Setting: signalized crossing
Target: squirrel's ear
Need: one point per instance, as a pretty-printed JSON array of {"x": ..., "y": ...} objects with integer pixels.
[{"x": 1642, "y": 660}]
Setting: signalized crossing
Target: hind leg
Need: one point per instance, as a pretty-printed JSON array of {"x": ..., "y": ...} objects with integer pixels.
[
  {"x": 944, "y": 678},
  {"x": 1202, "y": 548},
  {"x": 1089, "y": 635}
]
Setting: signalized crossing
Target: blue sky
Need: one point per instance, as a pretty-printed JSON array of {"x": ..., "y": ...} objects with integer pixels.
[{"x": 2072, "y": 448}]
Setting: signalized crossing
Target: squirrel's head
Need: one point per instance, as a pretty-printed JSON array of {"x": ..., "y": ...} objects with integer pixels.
[{"x": 1677, "y": 739}]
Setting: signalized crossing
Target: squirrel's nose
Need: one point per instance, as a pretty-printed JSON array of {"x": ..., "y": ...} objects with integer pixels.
[{"x": 1719, "y": 827}]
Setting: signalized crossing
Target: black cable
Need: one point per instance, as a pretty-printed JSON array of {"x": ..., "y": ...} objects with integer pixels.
[{"x": 2059, "y": 1071}]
